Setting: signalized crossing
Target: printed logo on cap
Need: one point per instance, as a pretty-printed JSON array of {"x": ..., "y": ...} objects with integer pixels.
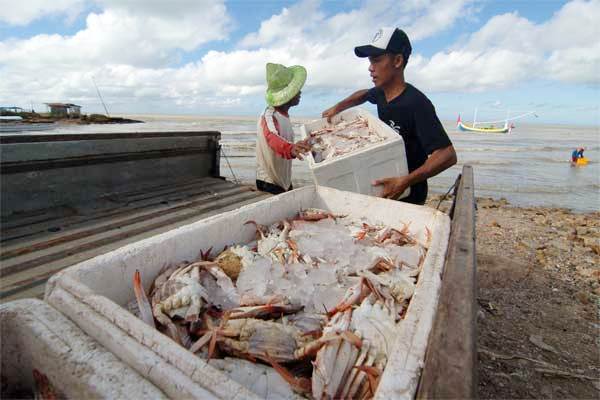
[{"x": 378, "y": 35}]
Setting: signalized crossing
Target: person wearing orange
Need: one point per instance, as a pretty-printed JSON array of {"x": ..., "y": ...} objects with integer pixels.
[{"x": 275, "y": 147}]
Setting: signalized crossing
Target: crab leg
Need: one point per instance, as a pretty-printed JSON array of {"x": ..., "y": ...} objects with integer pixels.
[
  {"x": 298, "y": 384},
  {"x": 352, "y": 296},
  {"x": 164, "y": 319},
  {"x": 313, "y": 347},
  {"x": 142, "y": 300},
  {"x": 259, "y": 229},
  {"x": 264, "y": 311},
  {"x": 354, "y": 385}
]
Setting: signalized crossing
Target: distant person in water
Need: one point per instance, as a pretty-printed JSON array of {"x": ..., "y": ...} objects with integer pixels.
[
  {"x": 576, "y": 155},
  {"x": 275, "y": 147}
]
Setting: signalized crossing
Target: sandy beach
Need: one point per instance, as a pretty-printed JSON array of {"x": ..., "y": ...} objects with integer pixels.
[{"x": 538, "y": 273}]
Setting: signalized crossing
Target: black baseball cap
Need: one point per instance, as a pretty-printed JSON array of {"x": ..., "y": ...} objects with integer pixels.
[{"x": 386, "y": 40}]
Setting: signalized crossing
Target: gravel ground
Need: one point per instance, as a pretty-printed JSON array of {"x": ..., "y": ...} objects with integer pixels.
[{"x": 538, "y": 322}]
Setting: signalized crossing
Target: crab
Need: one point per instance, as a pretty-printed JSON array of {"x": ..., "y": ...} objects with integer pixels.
[
  {"x": 342, "y": 368},
  {"x": 376, "y": 326},
  {"x": 274, "y": 242},
  {"x": 258, "y": 339},
  {"x": 315, "y": 214},
  {"x": 181, "y": 294},
  {"x": 401, "y": 286},
  {"x": 232, "y": 260}
]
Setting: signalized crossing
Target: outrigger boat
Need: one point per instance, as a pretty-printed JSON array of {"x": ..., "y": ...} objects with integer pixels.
[{"x": 489, "y": 126}]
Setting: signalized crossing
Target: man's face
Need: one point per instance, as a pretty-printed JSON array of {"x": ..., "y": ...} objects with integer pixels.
[
  {"x": 383, "y": 68},
  {"x": 295, "y": 100}
]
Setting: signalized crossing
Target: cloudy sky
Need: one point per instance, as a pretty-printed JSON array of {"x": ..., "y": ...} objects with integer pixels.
[{"x": 208, "y": 57}]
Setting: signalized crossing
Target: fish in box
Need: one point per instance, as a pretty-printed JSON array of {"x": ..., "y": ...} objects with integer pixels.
[{"x": 329, "y": 286}]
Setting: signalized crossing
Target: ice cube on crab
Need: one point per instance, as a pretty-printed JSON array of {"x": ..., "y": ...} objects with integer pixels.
[
  {"x": 260, "y": 379},
  {"x": 408, "y": 255},
  {"x": 253, "y": 278}
]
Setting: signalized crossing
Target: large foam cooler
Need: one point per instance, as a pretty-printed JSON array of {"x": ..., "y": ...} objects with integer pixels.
[
  {"x": 94, "y": 292},
  {"x": 356, "y": 171},
  {"x": 36, "y": 336}
]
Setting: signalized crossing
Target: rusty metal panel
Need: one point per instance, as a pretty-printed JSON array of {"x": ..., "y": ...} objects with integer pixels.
[{"x": 32, "y": 253}]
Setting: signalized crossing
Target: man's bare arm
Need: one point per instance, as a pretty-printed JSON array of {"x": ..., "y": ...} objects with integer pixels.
[
  {"x": 438, "y": 161},
  {"x": 354, "y": 99}
]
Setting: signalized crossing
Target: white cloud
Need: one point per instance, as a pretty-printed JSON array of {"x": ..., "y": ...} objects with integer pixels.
[
  {"x": 23, "y": 12},
  {"x": 509, "y": 49},
  {"x": 122, "y": 36},
  {"x": 132, "y": 48}
]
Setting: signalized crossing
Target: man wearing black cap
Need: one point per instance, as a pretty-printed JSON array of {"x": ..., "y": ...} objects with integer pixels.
[{"x": 406, "y": 110}]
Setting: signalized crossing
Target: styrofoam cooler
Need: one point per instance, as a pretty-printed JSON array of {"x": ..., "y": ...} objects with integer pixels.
[
  {"x": 94, "y": 292},
  {"x": 36, "y": 336},
  {"x": 354, "y": 172}
]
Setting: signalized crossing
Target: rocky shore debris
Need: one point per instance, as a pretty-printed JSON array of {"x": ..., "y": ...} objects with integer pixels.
[
  {"x": 83, "y": 119},
  {"x": 538, "y": 273}
]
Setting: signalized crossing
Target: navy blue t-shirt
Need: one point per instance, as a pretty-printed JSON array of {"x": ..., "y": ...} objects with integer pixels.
[{"x": 412, "y": 115}]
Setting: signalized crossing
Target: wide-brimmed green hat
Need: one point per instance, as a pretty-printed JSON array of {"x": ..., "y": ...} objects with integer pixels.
[{"x": 283, "y": 83}]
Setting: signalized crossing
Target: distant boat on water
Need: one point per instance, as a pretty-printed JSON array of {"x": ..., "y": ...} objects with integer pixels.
[{"x": 490, "y": 126}]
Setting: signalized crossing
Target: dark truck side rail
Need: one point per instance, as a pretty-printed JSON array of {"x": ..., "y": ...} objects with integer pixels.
[
  {"x": 450, "y": 370},
  {"x": 70, "y": 197}
]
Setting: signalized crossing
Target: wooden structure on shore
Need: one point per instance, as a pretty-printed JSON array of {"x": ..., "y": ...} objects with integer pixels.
[{"x": 64, "y": 109}]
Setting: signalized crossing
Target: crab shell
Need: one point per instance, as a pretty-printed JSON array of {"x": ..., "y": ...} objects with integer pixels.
[
  {"x": 230, "y": 263},
  {"x": 261, "y": 339}
]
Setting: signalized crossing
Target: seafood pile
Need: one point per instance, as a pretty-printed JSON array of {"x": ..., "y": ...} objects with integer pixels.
[
  {"x": 343, "y": 138},
  {"x": 316, "y": 299}
]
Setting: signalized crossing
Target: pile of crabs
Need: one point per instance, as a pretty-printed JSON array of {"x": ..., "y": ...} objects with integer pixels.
[
  {"x": 342, "y": 138},
  {"x": 318, "y": 298}
]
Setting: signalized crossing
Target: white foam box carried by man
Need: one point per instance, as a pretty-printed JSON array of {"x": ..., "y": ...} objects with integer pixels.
[
  {"x": 34, "y": 336},
  {"x": 95, "y": 292},
  {"x": 354, "y": 172}
]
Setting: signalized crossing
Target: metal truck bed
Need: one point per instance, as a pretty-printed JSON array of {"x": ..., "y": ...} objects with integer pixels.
[{"x": 67, "y": 198}]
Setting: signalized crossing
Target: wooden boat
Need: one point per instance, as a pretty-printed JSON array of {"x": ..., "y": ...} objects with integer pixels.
[
  {"x": 483, "y": 129},
  {"x": 490, "y": 126}
]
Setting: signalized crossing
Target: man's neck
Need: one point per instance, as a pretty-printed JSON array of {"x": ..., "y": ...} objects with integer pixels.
[
  {"x": 283, "y": 110},
  {"x": 395, "y": 87}
]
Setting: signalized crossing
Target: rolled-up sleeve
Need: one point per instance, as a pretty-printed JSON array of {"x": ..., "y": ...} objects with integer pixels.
[{"x": 270, "y": 129}]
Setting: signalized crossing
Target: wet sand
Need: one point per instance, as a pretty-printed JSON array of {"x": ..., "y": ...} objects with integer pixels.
[{"x": 538, "y": 325}]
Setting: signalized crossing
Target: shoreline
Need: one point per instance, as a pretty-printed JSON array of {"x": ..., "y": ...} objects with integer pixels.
[
  {"x": 538, "y": 280},
  {"x": 451, "y": 122}
]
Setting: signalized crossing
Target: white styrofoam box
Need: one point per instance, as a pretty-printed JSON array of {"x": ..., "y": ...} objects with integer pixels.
[
  {"x": 36, "y": 336},
  {"x": 93, "y": 292},
  {"x": 354, "y": 172}
]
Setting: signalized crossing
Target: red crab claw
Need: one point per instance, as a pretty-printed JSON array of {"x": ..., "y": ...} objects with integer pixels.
[
  {"x": 43, "y": 387},
  {"x": 210, "y": 336},
  {"x": 299, "y": 384},
  {"x": 373, "y": 375},
  {"x": 142, "y": 300},
  {"x": 259, "y": 228},
  {"x": 205, "y": 255}
]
